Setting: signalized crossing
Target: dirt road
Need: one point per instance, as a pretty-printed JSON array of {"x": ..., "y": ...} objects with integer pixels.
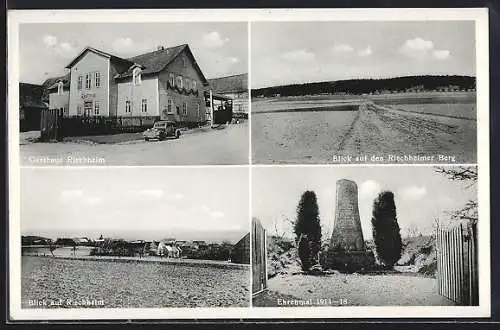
[
  {"x": 227, "y": 146},
  {"x": 358, "y": 290},
  {"x": 374, "y": 134},
  {"x": 386, "y": 132}
]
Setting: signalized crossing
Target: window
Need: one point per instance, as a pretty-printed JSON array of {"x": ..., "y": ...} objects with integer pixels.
[
  {"x": 88, "y": 80},
  {"x": 97, "y": 106},
  {"x": 194, "y": 85},
  {"x": 184, "y": 62},
  {"x": 179, "y": 81},
  {"x": 79, "y": 110},
  {"x": 97, "y": 79},
  {"x": 169, "y": 106},
  {"x": 66, "y": 111},
  {"x": 144, "y": 105},
  {"x": 184, "y": 109},
  {"x": 80, "y": 83},
  {"x": 128, "y": 107},
  {"x": 171, "y": 79},
  {"x": 137, "y": 76},
  {"x": 198, "y": 110},
  {"x": 87, "y": 108},
  {"x": 60, "y": 86},
  {"x": 186, "y": 83}
]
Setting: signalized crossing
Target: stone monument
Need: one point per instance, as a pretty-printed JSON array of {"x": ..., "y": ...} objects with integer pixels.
[{"x": 347, "y": 250}]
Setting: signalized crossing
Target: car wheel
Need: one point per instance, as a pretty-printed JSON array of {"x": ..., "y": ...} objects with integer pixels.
[
  {"x": 177, "y": 134},
  {"x": 146, "y": 139}
]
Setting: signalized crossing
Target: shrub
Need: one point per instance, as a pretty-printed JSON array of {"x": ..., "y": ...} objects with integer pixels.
[
  {"x": 385, "y": 228},
  {"x": 308, "y": 224},
  {"x": 304, "y": 252}
]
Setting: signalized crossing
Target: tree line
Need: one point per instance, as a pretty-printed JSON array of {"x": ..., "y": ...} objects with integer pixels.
[{"x": 367, "y": 86}]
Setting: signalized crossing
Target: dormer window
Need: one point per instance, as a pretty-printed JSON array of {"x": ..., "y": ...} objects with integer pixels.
[
  {"x": 171, "y": 78},
  {"x": 137, "y": 76},
  {"x": 60, "y": 86}
]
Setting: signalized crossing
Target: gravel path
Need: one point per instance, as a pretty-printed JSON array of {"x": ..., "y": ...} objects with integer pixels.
[
  {"x": 227, "y": 146},
  {"x": 360, "y": 290}
]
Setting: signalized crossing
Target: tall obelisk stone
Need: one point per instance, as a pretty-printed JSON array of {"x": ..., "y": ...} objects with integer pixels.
[{"x": 347, "y": 233}]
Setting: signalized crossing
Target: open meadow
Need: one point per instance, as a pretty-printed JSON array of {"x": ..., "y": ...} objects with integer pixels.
[
  {"x": 132, "y": 284},
  {"x": 316, "y": 129}
]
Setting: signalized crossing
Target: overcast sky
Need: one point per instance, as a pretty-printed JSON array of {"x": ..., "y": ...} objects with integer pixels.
[
  {"x": 420, "y": 193},
  {"x": 151, "y": 203},
  {"x": 298, "y": 52},
  {"x": 45, "y": 49}
]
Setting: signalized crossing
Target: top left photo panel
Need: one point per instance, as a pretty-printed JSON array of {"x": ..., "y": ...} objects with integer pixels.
[{"x": 131, "y": 94}]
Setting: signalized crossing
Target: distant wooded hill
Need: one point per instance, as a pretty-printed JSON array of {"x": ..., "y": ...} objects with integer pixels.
[{"x": 367, "y": 86}]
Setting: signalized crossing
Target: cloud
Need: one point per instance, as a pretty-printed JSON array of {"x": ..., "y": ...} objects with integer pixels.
[
  {"x": 413, "y": 193},
  {"x": 369, "y": 189},
  {"x": 299, "y": 55},
  {"x": 156, "y": 193},
  {"x": 70, "y": 194},
  {"x": 213, "y": 214},
  {"x": 422, "y": 49},
  {"x": 441, "y": 54},
  {"x": 65, "y": 46},
  {"x": 123, "y": 44},
  {"x": 214, "y": 39},
  {"x": 78, "y": 196},
  {"x": 365, "y": 52},
  {"x": 342, "y": 48},
  {"x": 50, "y": 40}
]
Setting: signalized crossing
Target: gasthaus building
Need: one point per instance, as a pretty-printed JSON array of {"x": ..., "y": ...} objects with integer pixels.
[{"x": 165, "y": 84}]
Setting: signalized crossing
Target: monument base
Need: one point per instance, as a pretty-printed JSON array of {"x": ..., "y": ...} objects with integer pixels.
[{"x": 348, "y": 261}]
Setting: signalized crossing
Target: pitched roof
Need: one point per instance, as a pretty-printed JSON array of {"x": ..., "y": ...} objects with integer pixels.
[
  {"x": 98, "y": 52},
  {"x": 30, "y": 96},
  {"x": 156, "y": 61},
  {"x": 51, "y": 83},
  {"x": 230, "y": 84}
]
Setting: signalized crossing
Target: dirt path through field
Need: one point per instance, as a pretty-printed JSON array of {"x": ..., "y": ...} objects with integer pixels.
[{"x": 384, "y": 132}]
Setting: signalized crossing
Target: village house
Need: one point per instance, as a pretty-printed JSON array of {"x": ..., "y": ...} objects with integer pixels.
[
  {"x": 165, "y": 84},
  {"x": 234, "y": 87},
  {"x": 58, "y": 93}
]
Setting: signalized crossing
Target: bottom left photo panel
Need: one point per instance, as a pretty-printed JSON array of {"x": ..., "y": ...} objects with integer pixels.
[{"x": 134, "y": 238}]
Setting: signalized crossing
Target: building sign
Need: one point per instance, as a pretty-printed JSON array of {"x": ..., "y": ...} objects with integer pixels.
[{"x": 87, "y": 96}]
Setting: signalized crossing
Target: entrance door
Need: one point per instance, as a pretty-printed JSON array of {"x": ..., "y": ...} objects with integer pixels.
[{"x": 87, "y": 108}]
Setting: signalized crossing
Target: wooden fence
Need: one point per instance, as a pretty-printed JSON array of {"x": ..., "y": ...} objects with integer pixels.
[
  {"x": 457, "y": 265},
  {"x": 50, "y": 124},
  {"x": 259, "y": 257}
]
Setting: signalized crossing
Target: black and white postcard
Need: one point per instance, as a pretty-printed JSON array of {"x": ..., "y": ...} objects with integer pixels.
[
  {"x": 248, "y": 164},
  {"x": 133, "y": 93},
  {"x": 404, "y": 236},
  {"x": 134, "y": 238},
  {"x": 364, "y": 92}
]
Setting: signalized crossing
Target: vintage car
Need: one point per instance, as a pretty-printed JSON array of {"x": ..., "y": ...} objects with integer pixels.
[{"x": 161, "y": 130}]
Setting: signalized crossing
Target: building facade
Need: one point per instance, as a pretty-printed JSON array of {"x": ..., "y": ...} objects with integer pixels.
[
  {"x": 234, "y": 87},
  {"x": 164, "y": 84}
]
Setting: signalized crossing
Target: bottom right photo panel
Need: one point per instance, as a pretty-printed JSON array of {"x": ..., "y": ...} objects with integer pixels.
[{"x": 364, "y": 236}]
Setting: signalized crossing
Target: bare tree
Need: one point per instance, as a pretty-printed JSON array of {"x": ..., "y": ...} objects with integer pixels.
[{"x": 468, "y": 174}]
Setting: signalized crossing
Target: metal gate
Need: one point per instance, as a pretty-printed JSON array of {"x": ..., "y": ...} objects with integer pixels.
[
  {"x": 259, "y": 257},
  {"x": 457, "y": 266}
]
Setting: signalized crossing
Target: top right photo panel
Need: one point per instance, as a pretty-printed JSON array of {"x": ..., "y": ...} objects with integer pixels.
[{"x": 364, "y": 92}]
